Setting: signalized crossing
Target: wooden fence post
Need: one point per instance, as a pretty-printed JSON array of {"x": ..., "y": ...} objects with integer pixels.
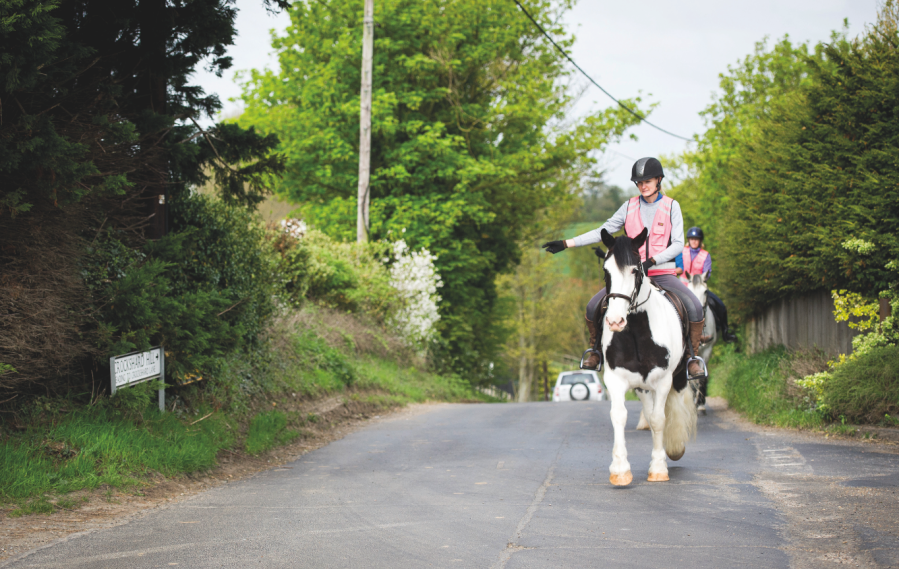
[{"x": 886, "y": 310}]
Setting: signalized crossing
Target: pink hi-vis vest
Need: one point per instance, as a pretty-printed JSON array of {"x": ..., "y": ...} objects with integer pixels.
[
  {"x": 695, "y": 266},
  {"x": 659, "y": 233}
]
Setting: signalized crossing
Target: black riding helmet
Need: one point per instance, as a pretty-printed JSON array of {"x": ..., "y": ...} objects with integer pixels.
[
  {"x": 695, "y": 233},
  {"x": 645, "y": 169}
]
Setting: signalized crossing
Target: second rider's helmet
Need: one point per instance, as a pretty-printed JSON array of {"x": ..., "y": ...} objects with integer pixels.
[
  {"x": 645, "y": 169},
  {"x": 695, "y": 233}
]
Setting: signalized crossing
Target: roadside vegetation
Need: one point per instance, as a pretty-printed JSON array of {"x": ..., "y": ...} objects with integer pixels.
[
  {"x": 788, "y": 184},
  {"x": 771, "y": 388},
  {"x": 264, "y": 399}
]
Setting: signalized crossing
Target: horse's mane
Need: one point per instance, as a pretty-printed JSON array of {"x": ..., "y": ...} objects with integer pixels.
[{"x": 624, "y": 253}]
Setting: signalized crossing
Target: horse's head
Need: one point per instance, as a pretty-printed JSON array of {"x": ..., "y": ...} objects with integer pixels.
[
  {"x": 621, "y": 265},
  {"x": 698, "y": 286}
]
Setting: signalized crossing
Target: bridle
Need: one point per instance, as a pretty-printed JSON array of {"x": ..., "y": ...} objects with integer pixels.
[{"x": 639, "y": 275}]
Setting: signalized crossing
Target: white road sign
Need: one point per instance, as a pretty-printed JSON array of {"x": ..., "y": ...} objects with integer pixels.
[{"x": 136, "y": 367}]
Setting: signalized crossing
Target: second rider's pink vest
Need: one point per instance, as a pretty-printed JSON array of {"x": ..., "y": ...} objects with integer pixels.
[
  {"x": 695, "y": 266},
  {"x": 659, "y": 233}
]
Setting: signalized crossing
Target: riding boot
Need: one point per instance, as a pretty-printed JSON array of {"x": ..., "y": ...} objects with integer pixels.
[
  {"x": 695, "y": 335},
  {"x": 594, "y": 360}
]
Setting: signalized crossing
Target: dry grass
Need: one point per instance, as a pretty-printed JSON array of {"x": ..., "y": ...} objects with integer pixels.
[{"x": 42, "y": 334}]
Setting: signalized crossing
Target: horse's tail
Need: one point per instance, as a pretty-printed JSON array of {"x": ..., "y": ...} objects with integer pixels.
[{"x": 680, "y": 422}]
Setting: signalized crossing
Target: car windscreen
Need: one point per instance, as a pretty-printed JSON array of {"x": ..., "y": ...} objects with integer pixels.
[{"x": 573, "y": 378}]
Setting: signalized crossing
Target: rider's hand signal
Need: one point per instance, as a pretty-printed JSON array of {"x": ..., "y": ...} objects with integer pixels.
[{"x": 555, "y": 247}]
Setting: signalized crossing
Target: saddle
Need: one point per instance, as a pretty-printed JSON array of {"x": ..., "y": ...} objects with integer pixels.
[{"x": 679, "y": 307}]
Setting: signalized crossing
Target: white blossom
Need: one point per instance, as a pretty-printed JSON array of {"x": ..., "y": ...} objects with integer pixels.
[
  {"x": 414, "y": 276},
  {"x": 296, "y": 228}
]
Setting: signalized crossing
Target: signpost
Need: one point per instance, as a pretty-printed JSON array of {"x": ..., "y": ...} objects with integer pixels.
[{"x": 137, "y": 367}]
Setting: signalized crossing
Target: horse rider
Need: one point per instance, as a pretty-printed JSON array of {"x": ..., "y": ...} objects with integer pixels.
[
  {"x": 700, "y": 263},
  {"x": 663, "y": 216}
]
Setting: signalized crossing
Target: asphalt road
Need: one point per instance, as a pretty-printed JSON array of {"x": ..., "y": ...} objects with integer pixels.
[{"x": 509, "y": 486}]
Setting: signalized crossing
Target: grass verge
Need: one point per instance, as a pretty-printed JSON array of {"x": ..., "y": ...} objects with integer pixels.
[
  {"x": 862, "y": 391},
  {"x": 53, "y": 447},
  {"x": 759, "y": 386}
]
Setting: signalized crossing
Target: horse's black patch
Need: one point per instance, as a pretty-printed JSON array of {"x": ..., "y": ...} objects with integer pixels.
[{"x": 634, "y": 349}]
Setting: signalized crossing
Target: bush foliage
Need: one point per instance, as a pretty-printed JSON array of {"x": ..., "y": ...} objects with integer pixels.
[
  {"x": 203, "y": 291},
  {"x": 99, "y": 122},
  {"x": 866, "y": 388},
  {"x": 347, "y": 276}
]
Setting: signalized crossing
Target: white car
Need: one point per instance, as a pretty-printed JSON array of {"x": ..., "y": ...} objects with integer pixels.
[{"x": 580, "y": 385}]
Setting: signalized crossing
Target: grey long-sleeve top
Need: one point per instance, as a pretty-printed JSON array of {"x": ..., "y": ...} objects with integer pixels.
[{"x": 665, "y": 259}]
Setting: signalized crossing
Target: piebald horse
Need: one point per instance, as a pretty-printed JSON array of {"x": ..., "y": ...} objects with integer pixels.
[{"x": 643, "y": 346}]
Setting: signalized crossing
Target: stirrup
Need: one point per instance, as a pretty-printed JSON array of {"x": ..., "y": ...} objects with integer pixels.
[
  {"x": 584, "y": 358},
  {"x": 705, "y": 370}
]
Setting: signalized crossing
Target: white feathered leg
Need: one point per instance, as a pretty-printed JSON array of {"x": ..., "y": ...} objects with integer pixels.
[
  {"x": 620, "y": 469},
  {"x": 658, "y": 466},
  {"x": 646, "y": 399}
]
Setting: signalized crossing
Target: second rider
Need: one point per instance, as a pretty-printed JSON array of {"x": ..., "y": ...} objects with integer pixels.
[{"x": 662, "y": 215}]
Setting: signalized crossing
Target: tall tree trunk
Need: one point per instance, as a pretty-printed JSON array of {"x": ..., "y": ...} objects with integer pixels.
[{"x": 154, "y": 33}]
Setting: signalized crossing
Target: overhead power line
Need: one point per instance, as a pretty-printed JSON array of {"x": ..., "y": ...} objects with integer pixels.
[{"x": 584, "y": 73}]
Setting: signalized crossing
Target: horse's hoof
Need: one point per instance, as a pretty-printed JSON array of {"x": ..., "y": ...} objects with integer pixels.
[
  {"x": 677, "y": 455},
  {"x": 621, "y": 479},
  {"x": 701, "y": 409},
  {"x": 658, "y": 477}
]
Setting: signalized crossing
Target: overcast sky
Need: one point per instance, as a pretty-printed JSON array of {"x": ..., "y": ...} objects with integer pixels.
[{"x": 672, "y": 52}]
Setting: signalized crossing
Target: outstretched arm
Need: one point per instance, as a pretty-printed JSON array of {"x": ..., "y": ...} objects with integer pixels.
[{"x": 615, "y": 223}]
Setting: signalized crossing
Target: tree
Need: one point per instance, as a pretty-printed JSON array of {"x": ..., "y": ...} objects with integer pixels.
[
  {"x": 470, "y": 138},
  {"x": 808, "y": 209},
  {"x": 748, "y": 90},
  {"x": 98, "y": 121}
]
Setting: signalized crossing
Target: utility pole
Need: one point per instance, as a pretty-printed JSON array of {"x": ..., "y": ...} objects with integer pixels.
[{"x": 363, "y": 195}]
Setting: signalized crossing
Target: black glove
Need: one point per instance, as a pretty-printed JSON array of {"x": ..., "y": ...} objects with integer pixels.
[
  {"x": 648, "y": 263},
  {"x": 555, "y": 247}
]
